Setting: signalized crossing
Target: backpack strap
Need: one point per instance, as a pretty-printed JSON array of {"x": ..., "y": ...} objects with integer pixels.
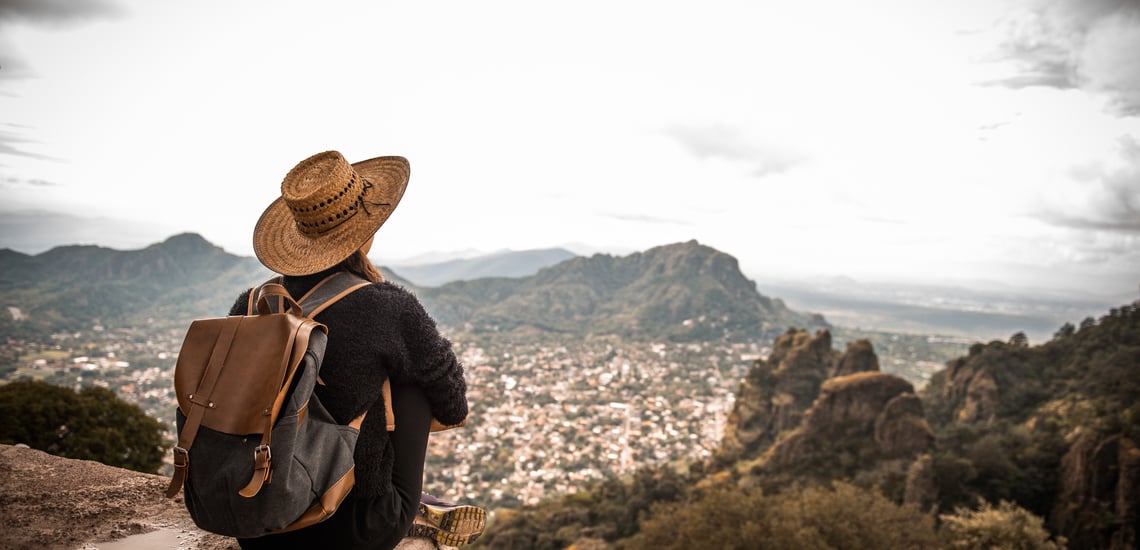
[{"x": 329, "y": 291}]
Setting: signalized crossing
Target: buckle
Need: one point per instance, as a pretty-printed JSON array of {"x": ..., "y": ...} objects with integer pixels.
[
  {"x": 179, "y": 452},
  {"x": 260, "y": 449}
]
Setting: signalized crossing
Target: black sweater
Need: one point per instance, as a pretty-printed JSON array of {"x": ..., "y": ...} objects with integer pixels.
[{"x": 377, "y": 332}]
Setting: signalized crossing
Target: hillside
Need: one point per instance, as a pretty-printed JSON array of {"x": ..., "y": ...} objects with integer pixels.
[
  {"x": 73, "y": 287},
  {"x": 682, "y": 292},
  {"x": 1065, "y": 418}
]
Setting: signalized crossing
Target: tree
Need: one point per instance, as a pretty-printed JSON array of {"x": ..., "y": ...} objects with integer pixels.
[
  {"x": 1065, "y": 331},
  {"x": 1019, "y": 340},
  {"x": 1007, "y": 526},
  {"x": 92, "y": 424}
]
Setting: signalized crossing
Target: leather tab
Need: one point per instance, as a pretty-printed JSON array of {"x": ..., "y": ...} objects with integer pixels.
[
  {"x": 262, "y": 459},
  {"x": 181, "y": 465}
]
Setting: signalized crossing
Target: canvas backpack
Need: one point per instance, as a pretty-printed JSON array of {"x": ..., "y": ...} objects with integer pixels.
[{"x": 257, "y": 451}]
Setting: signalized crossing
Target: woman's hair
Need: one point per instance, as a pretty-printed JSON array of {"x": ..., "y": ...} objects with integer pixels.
[{"x": 358, "y": 264}]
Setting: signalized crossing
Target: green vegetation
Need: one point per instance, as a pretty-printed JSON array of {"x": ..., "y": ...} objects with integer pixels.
[
  {"x": 92, "y": 424},
  {"x": 1040, "y": 426},
  {"x": 608, "y": 511},
  {"x": 841, "y": 516},
  {"x": 1008, "y": 526},
  {"x": 658, "y": 510}
]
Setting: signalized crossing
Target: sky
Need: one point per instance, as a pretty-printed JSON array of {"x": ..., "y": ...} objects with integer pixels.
[{"x": 964, "y": 141}]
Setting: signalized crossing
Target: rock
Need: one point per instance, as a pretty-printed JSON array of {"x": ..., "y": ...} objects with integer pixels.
[
  {"x": 855, "y": 399},
  {"x": 869, "y": 413},
  {"x": 859, "y": 357},
  {"x": 901, "y": 429},
  {"x": 981, "y": 399},
  {"x": 52, "y": 503},
  {"x": 921, "y": 489},
  {"x": 1099, "y": 473},
  {"x": 773, "y": 397}
]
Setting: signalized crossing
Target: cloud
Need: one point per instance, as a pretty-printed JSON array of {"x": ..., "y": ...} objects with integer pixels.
[
  {"x": 1109, "y": 197},
  {"x": 641, "y": 218},
  {"x": 54, "y": 12},
  {"x": 10, "y": 144},
  {"x": 718, "y": 141},
  {"x": 44, "y": 13},
  {"x": 9, "y": 181},
  {"x": 1077, "y": 44},
  {"x": 11, "y": 66}
]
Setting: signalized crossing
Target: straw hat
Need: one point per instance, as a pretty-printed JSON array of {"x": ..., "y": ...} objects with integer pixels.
[{"x": 327, "y": 210}]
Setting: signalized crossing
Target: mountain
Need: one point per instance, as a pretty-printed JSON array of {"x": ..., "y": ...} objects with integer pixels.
[
  {"x": 501, "y": 264},
  {"x": 71, "y": 287},
  {"x": 682, "y": 291}
]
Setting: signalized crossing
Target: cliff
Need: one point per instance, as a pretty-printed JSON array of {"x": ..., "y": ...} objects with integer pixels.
[
  {"x": 810, "y": 412},
  {"x": 773, "y": 396},
  {"x": 51, "y": 503}
]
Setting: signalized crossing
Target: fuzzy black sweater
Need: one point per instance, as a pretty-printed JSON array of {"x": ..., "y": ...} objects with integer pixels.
[{"x": 377, "y": 332}]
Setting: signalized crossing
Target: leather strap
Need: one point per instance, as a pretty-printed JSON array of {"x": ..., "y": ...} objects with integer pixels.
[
  {"x": 262, "y": 456},
  {"x": 199, "y": 402}
]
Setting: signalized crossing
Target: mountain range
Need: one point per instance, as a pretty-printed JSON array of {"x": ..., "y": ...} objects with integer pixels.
[
  {"x": 682, "y": 291},
  {"x": 520, "y": 263}
]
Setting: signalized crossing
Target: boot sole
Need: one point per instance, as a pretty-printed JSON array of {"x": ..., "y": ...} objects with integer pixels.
[{"x": 454, "y": 525}]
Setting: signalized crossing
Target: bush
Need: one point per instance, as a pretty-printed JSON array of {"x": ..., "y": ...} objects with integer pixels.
[
  {"x": 842, "y": 516},
  {"x": 1008, "y": 526},
  {"x": 93, "y": 424}
]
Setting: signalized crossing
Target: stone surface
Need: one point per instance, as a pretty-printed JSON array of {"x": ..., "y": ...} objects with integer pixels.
[{"x": 49, "y": 503}]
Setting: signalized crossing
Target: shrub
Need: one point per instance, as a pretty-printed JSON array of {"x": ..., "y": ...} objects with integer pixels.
[
  {"x": 842, "y": 516},
  {"x": 1008, "y": 527},
  {"x": 92, "y": 424}
]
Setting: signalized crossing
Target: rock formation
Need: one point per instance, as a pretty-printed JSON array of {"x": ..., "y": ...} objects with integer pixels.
[
  {"x": 773, "y": 397},
  {"x": 810, "y": 412},
  {"x": 1100, "y": 474}
]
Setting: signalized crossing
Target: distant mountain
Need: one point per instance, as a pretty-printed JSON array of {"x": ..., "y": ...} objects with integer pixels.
[
  {"x": 500, "y": 264},
  {"x": 683, "y": 291},
  {"x": 71, "y": 287}
]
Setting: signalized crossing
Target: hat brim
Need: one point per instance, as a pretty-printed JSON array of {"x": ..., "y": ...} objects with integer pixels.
[{"x": 280, "y": 246}]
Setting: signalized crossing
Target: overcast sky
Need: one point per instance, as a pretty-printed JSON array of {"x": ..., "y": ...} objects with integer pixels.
[{"x": 881, "y": 139}]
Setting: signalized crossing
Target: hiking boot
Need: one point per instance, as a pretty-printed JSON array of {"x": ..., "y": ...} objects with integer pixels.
[{"x": 447, "y": 523}]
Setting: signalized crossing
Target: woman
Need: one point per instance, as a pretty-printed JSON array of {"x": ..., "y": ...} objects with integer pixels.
[{"x": 324, "y": 222}]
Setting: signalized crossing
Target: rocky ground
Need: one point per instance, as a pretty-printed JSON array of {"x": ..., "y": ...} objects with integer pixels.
[{"x": 49, "y": 503}]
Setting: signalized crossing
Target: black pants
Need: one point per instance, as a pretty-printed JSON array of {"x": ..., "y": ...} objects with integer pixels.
[{"x": 374, "y": 523}]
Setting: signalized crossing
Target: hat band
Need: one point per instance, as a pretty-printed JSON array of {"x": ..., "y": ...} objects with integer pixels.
[{"x": 333, "y": 221}]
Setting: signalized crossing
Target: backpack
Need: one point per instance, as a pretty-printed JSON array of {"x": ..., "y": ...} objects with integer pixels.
[{"x": 257, "y": 452}]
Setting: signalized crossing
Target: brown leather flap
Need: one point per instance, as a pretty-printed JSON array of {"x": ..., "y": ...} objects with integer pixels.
[{"x": 252, "y": 373}]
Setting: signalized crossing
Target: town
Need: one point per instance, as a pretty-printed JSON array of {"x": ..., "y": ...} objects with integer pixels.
[{"x": 549, "y": 415}]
